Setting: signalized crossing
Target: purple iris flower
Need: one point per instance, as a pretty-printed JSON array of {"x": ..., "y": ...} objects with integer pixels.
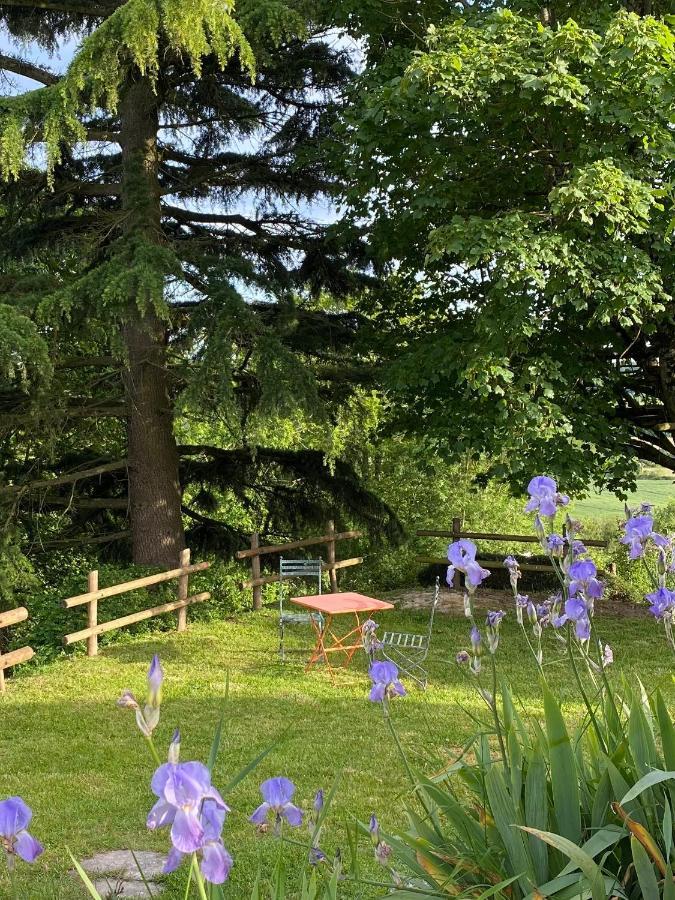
[
  {"x": 147, "y": 718},
  {"x": 582, "y": 579},
  {"x": 511, "y": 564},
  {"x": 174, "y": 747},
  {"x": 662, "y": 600},
  {"x": 155, "y": 679},
  {"x": 182, "y": 789},
  {"x": 386, "y": 684},
  {"x": 316, "y": 856},
  {"x": 216, "y": 862},
  {"x": 277, "y": 794},
  {"x": 578, "y": 548},
  {"x": 637, "y": 531},
  {"x": 15, "y": 816},
  {"x": 522, "y": 603},
  {"x": 493, "y": 622},
  {"x": 555, "y": 544},
  {"x": 382, "y": 850},
  {"x": 544, "y": 496},
  {"x": 577, "y": 610},
  {"x": 462, "y": 658},
  {"x": 543, "y": 613},
  {"x": 462, "y": 556}
]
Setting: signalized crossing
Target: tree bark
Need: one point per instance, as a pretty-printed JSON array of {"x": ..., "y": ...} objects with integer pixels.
[{"x": 153, "y": 462}]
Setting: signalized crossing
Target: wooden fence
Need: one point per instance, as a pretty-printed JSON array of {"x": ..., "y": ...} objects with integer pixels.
[
  {"x": 457, "y": 533},
  {"x": 332, "y": 564},
  {"x": 14, "y": 657},
  {"x": 94, "y": 594}
]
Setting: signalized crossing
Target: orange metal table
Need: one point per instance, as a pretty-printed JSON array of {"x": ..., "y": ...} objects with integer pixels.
[{"x": 331, "y": 605}]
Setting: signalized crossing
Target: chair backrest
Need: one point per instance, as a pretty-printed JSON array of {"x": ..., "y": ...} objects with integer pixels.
[
  {"x": 298, "y": 568},
  {"x": 437, "y": 593}
]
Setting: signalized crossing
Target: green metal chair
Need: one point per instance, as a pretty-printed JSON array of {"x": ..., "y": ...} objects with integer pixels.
[
  {"x": 409, "y": 650},
  {"x": 297, "y": 568}
]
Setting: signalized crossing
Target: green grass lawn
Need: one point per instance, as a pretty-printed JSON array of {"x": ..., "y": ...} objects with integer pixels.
[
  {"x": 83, "y": 767},
  {"x": 605, "y": 505}
]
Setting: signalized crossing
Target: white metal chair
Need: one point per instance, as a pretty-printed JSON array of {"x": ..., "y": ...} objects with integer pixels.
[
  {"x": 297, "y": 568},
  {"x": 409, "y": 650}
]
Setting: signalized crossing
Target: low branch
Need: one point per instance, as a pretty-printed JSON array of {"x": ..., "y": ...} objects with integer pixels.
[
  {"x": 653, "y": 454},
  {"x": 80, "y": 475},
  {"x": 187, "y": 215},
  {"x": 119, "y": 411},
  {"x": 79, "y": 362},
  {"x": 27, "y": 69},
  {"x": 86, "y": 539},
  {"x": 89, "y": 502},
  {"x": 88, "y": 188}
]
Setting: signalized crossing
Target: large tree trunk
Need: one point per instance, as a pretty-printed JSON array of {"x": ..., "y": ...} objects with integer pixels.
[{"x": 154, "y": 485}]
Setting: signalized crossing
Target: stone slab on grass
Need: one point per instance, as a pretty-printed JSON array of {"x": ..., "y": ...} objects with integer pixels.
[{"x": 115, "y": 873}]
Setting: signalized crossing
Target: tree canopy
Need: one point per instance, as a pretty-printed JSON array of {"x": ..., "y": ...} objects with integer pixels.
[{"x": 516, "y": 179}]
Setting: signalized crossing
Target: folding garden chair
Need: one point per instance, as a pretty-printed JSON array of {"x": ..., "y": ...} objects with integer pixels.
[
  {"x": 408, "y": 650},
  {"x": 296, "y": 568}
]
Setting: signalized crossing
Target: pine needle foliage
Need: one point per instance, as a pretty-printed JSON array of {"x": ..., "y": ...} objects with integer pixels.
[{"x": 188, "y": 253}]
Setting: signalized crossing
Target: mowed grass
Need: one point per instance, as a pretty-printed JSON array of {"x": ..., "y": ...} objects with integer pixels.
[
  {"x": 83, "y": 767},
  {"x": 605, "y": 505}
]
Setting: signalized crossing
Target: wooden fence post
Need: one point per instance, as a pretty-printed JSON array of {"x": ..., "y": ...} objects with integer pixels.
[
  {"x": 92, "y": 613},
  {"x": 183, "y": 589},
  {"x": 13, "y": 657},
  {"x": 330, "y": 548},
  {"x": 255, "y": 572},
  {"x": 456, "y": 533}
]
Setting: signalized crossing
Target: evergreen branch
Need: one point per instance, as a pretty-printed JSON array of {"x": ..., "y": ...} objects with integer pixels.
[
  {"x": 188, "y": 215},
  {"x": 76, "y": 540},
  {"x": 27, "y": 69},
  {"x": 80, "y": 475},
  {"x": 88, "y": 188},
  {"x": 78, "y": 362},
  {"x": 87, "y": 502},
  {"x": 119, "y": 411}
]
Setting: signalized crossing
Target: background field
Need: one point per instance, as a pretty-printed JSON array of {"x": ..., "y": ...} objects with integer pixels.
[{"x": 607, "y": 506}]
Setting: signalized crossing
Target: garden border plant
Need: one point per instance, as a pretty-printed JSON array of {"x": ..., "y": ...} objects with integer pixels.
[{"x": 538, "y": 811}]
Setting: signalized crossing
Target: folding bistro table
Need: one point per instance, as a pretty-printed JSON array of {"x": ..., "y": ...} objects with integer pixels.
[{"x": 328, "y": 641}]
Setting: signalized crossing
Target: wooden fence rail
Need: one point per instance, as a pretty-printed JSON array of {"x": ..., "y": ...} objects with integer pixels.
[
  {"x": 332, "y": 564},
  {"x": 14, "y": 657},
  {"x": 94, "y": 594},
  {"x": 456, "y": 534}
]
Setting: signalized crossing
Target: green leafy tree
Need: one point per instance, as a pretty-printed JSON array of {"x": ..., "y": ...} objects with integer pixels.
[{"x": 517, "y": 177}]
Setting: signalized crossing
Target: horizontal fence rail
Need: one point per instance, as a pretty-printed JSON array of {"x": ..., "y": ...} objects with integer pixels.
[
  {"x": 13, "y": 657},
  {"x": 94, "y": 594},
  {"x": 457, "y": 534},
  {"x": 332, "y": 565}
]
